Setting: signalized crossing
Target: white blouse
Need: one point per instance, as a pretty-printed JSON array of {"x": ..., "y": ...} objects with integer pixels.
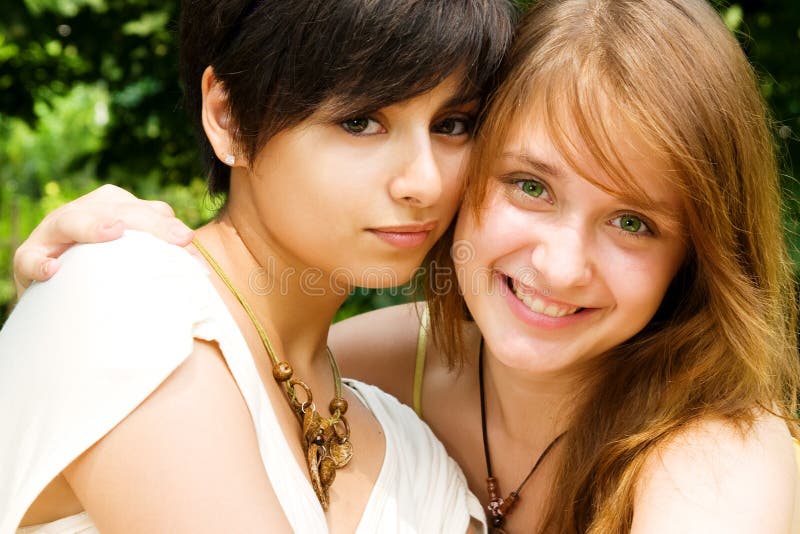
[{"x": 81, "y": 351}]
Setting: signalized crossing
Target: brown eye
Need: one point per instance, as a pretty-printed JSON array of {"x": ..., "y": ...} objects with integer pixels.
[
  {"x": 361, "y": 126},
  {"x": 453, "y": 126}
]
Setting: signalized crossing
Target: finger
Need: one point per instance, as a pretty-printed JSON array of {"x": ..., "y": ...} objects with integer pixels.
[
  {"x": 109, "y": 194},
  {"x": 96, "y": 224},
  {"x": 32, "y": 264},
  {"x": 161, "y": 207},
  {"x": 61, "y": 230},
  {"x": 152, "y": 217}
]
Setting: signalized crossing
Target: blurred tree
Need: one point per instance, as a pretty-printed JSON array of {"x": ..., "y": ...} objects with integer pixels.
[
  {"x": 769, "y": 31},
  {"x": 126, "y": 47}
]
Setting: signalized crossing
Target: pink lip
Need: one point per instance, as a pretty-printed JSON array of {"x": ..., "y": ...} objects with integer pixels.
[
  {"x": 404, "y": 236},
  {"x": 539, "y": 320}
]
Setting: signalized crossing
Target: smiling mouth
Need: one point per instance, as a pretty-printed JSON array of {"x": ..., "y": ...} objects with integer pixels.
[{"x": 540, "y": 305}]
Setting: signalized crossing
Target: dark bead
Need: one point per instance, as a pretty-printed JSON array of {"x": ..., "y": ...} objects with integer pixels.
[
  {"x": 319, "y": 440},
  {"x": 282, "y": 371},
  {"x": 497, "y": 522},
  {"x": 338, "y": 404}
]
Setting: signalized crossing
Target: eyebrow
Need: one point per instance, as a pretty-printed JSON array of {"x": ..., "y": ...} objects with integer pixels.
[
  {"x": 536, "y": 164},
  {"x": 663, "y": 210},
  {"x": 457, "y": 101}
]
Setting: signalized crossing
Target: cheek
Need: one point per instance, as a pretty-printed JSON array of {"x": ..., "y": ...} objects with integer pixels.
[
  {"x": 502, "y": 229},
  {"x": 452, "y": 161},
  {"x": 641, "y": 283}
]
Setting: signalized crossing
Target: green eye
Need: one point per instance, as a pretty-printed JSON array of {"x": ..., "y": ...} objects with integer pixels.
[
  {"x": 630, "y": 223},
  {"x": 532, "y": 188}
]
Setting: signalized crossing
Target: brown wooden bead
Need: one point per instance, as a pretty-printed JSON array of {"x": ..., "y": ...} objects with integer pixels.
[
  {"x": 282, "y": 371},
  {"x": 338, "y": 404},
  {"x": 508, "y": 503},
  {"x": 491, "y": 486}
]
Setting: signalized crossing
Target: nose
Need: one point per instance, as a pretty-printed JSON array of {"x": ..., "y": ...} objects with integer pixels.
[
  {"x": 562, "y": 258},
  {"x": 417, "y": 179}
]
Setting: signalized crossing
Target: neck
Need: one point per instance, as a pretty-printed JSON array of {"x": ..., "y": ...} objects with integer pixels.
[
  {"x": 294, "y": 309},
  {"x": 528, "y": 407}
]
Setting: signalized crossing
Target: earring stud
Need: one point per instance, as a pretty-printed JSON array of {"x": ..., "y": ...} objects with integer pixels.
[{"x": 229, "y": 159}]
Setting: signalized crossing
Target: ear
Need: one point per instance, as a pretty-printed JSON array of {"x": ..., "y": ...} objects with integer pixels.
[{"x": 216, "y": 119}]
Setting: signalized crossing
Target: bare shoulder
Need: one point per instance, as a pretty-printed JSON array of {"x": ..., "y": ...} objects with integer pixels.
[
  {"x": 379, "y": 347},
  {"x": 187, "y": 459},
  {"x": 714, "y": 477}
]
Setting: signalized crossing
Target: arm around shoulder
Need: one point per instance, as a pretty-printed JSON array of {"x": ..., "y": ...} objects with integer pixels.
[
  {"x": 379, "y": 348},
  {"x": 714, "y": 478}
]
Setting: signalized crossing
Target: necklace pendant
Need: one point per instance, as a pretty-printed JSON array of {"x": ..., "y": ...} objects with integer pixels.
[
  {"x": 497, "y": 515},
  {"x": 495, "y": 512},
  {"x": 322, "y": 473},
  {"x": 326, "y": 451},
  {"x": 340, "y": 452},
  {"x": 317, "y": 433}
]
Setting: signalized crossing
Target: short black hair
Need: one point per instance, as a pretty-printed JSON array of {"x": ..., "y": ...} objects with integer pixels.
[{"x": 281, "y": 60}]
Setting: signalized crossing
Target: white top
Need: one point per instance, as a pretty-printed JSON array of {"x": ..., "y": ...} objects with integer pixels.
[{"x": 82, "y": 351}]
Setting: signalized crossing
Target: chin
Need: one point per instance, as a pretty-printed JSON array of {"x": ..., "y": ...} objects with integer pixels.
[{"x": 383, "y": 276}]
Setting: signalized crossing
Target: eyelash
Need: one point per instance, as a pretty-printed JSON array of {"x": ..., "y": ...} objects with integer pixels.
[
  {"x": 518, "y": 184},
  {"x": 466, "y": 120},
  {"x": 343, "y": 124},
  {"x": 649, "y": 232}
]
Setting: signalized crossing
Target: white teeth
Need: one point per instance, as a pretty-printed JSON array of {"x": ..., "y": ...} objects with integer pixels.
[
  {"x": 540, "y": 306},
  {"x": 537, "y": 305},
  {"x": 552, "y": 311}
]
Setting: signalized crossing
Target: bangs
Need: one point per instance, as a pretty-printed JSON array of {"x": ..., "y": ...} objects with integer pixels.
[
  {"x": 282, "y": 61},
  {"x": 594, "y": 133},
  {"x": 384, "y": 54},
  {"x": 592, "y": 127}
]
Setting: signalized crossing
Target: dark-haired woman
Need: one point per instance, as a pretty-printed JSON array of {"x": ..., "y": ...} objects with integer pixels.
[
  {"x": 630, "y": 361},
  {"x": 199, "y": 396}
]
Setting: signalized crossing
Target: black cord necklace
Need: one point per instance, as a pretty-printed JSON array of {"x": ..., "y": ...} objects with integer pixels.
[{"x": 498, "y": 507}]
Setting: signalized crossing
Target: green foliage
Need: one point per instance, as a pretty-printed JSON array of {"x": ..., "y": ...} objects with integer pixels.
[{"x": 89, "y": 94}]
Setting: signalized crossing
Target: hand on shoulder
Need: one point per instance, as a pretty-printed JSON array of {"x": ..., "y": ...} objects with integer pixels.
[
  {"x": 99, "y": 216},
  {"x": 713, "y": 477}
]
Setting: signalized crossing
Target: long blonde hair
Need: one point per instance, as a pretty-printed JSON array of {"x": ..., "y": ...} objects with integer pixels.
[{"x": 724, "y": 342}]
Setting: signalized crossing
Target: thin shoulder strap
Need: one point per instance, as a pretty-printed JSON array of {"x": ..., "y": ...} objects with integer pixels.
[{"x": 419, "y": 365}]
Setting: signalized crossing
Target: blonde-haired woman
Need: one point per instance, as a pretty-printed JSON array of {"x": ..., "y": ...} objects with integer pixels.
[
  {"x": 633, "y": 309},
  {"x": 629, "y": 359}
]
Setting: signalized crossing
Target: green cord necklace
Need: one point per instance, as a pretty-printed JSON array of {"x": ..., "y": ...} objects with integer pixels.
[{"x": 326, "y": 440}]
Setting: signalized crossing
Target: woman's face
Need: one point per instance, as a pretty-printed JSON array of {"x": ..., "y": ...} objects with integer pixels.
[
  {"x": 365, "y": 199},
  {"x": 558, "y": 270}
]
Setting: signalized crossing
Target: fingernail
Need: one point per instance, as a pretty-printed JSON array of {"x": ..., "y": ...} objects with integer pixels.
[
  {"x": 46, "y": 268},
  {"x": 180, "y": 232}
]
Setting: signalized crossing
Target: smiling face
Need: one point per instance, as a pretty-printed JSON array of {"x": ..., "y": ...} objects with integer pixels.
[
  {"x": 362, "y": 198},
  {"x": 560, "y": 270}
]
